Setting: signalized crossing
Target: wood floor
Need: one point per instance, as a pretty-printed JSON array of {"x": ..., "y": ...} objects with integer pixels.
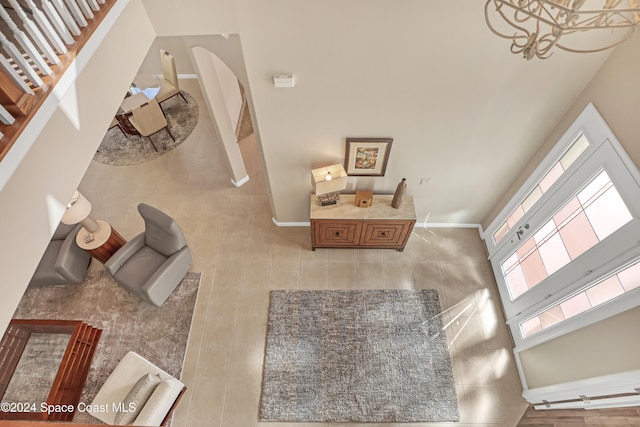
[{"x": 580, "y": 417}]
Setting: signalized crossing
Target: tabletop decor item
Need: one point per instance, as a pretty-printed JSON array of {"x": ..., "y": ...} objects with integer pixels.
[
  {"x": 364, "y": 199},
  {"x": 401, "y": 189},
  {"x": 367, "y": 156}
]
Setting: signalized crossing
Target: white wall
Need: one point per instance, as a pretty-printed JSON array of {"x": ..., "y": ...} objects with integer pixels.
[
  {"x": 608, "y": 347},
  {"x": 172, "y": 44},
  {"x": 615, "y": 92},
  {"x": 382, "y": 68},
  {"x": 34, "y": 199}
]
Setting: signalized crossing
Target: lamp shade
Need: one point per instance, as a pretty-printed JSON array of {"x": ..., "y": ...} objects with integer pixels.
[
  {"x": 337, "y": 179},
  {"x": 78, "y": 209}
]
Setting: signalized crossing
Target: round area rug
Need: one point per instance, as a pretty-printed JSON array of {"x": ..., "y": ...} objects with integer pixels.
[{"x": 118, "y": 150}]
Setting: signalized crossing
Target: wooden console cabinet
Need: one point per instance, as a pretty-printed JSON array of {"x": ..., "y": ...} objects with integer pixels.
[{"x": 345, "y": 225}]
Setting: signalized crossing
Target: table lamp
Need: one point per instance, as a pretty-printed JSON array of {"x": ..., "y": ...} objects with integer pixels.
[
  {"x": 327, "y": 183},
  {"x": 78, "y": 211}
]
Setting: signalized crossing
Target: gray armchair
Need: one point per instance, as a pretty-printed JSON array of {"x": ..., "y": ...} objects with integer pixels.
[
  {"x": 63, "y": 261},
  {"x": 152, "y": 264}
]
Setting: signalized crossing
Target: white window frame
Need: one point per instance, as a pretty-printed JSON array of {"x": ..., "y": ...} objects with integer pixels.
[{"x": 623, "y": 247}]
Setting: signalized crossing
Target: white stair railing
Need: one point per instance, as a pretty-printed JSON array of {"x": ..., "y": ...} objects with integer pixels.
[
  {"x": 35, "y": 47},
  {"x": 47, "y": 28},
  {"x": 64, "y": 13},
  {"x": 21, "y": 62},
  {"x": 11, "y": 72},
  {"x": 57, "y": 22},
  {"x": 93, "y": 4},
  {"x": 25, "y": 43},
  {"x": 5, "y": 116},
  {"x": 36, "y": 35},
  {"x": 85, "y": 9},
  {"x": 76, "y": 12}
]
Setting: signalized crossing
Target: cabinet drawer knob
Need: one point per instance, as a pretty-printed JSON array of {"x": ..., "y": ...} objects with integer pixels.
[
  {"x": 383, "y": 234},
  {"x": 338, "y": 234}
]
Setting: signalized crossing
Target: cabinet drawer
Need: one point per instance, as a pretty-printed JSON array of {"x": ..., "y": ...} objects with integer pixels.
[
  {"x": 385, "y": 233},
  {"x": 336, "y": 233}
]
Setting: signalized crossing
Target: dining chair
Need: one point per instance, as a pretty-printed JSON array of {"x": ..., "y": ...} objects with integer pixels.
[
  {"x": 125, "y": 124},
  {"x": 115, "y": 123},
  {"x": 169, "y": 86},
  {"x": 149, "y": 119}
]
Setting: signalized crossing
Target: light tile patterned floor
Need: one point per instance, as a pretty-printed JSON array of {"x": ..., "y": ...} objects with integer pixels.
[{"x": 242, "y": 255}]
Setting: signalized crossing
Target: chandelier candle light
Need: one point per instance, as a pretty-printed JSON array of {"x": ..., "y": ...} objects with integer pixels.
[{"x": 541, "y": 25}]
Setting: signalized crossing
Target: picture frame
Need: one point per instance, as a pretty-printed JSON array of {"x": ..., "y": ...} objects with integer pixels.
[{"x": 367, "y": 156}]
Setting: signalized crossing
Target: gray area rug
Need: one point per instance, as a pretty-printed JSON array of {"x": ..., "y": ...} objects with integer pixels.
[
  {"x": 158, "y": 334},
  {"x": 37, "y": 368},
  {"x": 357, "y": 356},
  {"x": 118, "y": 150}
]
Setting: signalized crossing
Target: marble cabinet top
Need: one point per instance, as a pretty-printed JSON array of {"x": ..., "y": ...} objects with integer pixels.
[{"x": 380, "y": 209}]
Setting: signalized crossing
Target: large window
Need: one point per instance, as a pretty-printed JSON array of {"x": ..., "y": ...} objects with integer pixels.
[
  {"x": 599, "y": 293},
  {"x": 556, "y": 171},
  {"x": 585, "y": 220},
  {"x": 558, "y": 248}
]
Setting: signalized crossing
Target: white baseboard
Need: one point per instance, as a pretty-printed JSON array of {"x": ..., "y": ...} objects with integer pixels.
[
  {"x": 418, "y": 225},
  {"x": 241, "y": 182},
  {"x": 447, "y": 225},
  {"x": 290, "y": 224},
  {"x": 608, "y": 385},
  {"x": 187, "y": 76}
]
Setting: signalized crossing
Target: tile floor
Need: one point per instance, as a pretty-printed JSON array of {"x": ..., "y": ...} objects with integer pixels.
[{"x": 242, "y": 255}]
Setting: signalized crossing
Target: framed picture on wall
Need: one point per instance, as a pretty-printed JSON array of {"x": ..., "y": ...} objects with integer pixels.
[{"x": 367, "y": 156}]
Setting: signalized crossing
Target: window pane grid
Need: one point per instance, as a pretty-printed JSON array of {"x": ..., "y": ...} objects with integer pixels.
[
  {"x": 597, "y": 294},
  {"x": 556, "y": 245},
  {"x": 556, "y": 171}
]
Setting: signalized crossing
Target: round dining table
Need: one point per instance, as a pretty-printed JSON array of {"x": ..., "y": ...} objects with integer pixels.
[{"x": 144, "y": 87}]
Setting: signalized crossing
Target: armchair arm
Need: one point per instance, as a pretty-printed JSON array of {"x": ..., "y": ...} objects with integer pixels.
[
  {"x": 167, "y": 277},
  {"x": 121, "y": 256},
  {"x": 72, "y": 261}
]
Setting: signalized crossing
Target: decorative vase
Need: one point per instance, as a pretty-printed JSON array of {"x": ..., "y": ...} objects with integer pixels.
[{"x": 399, "y": 194}]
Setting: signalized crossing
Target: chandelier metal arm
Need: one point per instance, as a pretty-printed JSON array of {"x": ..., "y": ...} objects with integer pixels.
[{"x": 540, "y": 24}]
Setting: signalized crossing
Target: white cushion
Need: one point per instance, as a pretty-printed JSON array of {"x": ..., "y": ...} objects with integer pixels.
[
  {"x": 117, "y": 386},
  {"x": 159, "y": 403}
]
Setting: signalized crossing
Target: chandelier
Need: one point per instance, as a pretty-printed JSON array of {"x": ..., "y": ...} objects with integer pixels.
[{"x": 541, "y": 25}]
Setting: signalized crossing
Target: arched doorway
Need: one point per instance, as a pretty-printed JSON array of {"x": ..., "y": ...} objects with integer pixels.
[{"x": 224, "y": 100}]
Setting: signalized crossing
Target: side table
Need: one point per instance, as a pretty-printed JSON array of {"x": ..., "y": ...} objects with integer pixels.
[{"x": 106, "y": 241}]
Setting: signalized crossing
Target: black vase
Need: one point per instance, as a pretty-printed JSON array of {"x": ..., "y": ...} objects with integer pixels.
[{"x": 399, "y": 194}]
